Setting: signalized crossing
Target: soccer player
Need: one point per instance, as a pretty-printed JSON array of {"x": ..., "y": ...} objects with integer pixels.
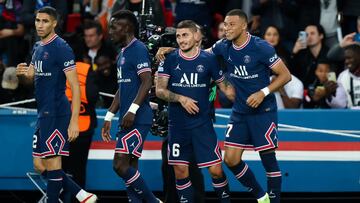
[
  {"x": 253, "y": 122},
  {"x": 184, "y": 81},
  {"x": 134, "y": 79},
  {"x": 52, "y": 64}
]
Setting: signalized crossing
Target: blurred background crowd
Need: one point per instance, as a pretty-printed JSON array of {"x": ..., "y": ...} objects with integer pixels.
[{"x": 318, "y": 40}]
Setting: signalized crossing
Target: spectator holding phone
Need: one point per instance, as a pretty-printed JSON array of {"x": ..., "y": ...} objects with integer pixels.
[
  {"x": 306, "y": 53},
  {"x": 325, "y": 92}
]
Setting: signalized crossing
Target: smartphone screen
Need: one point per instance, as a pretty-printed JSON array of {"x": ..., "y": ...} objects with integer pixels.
[{"x": 332, "y": 76}]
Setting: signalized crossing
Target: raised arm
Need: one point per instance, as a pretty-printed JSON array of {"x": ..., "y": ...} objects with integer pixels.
[
  {"x": 73, "y": 129},
  {"x": 164, "y": 93}
]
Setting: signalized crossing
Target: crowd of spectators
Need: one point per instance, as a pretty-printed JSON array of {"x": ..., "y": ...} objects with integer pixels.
[{"x": 331, "y": 46}]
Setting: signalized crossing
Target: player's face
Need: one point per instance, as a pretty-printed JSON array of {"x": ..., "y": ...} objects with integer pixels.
[
  {"x": 117, "y": 30},
  {"x": 272, "y": 36},
  {"x": 44, "y": 24},
  {"x": 314, "y": 37},
  {"x": 185, "y": 39},
  {"x": 92, "y": 38},
  {"x": 234, "y": 27},
  {"x": 352, "y": 62}
]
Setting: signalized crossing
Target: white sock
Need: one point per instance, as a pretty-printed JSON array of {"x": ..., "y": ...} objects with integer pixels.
[{"x": 81, "y": 195}]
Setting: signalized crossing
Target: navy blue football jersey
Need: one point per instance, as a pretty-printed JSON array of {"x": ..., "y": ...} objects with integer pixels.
[
  {"x": 132, "y": 61},
  {"x": 190, "y": 77},
  {"x": 51, "y": 60},
  {"x": 248, "y": 70}
]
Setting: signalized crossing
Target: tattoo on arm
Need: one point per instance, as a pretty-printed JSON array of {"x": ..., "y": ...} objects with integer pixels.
[{"x": 163, "y": 92}]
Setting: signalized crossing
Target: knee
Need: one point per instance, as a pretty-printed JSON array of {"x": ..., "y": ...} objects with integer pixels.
[
  {"x": 181, "y": 172},
  {"x": 120, "y": 167},
  {"x": 38, "y": 166},
  {"x": 231, "y": 161},
  {"x": 216, "y": 171}
]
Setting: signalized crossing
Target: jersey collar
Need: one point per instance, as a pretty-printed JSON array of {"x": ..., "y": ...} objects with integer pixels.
[
  {"x": 191, "y": 57},
  {"x": 131, "y": 42},
  {"x": 245, "y": 43},
  {"x": 49, "y": 41}
]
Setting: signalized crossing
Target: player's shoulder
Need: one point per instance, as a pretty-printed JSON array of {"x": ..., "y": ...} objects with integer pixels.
[
  {"x": 261, "y": 44},
  {"x": 61, "y": 43},
  {"x": 207, "y": 55},
  {"x": 222, "y": 43},
  {"x": 138, "y": 45}
]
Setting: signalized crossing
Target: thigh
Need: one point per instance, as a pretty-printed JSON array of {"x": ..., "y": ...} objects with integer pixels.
[
  {"x": 131, "y": 141},
  {"x": 238, "y": 135},
  {"x": 205, "y": 145},
  {"x": 51, "y": 138},
  {"x": 263, "y": 130},
  {"x": 179, "y": 147}
]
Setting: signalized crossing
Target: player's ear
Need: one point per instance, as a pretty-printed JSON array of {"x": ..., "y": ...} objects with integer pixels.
[{"x": 197, "y": 36}]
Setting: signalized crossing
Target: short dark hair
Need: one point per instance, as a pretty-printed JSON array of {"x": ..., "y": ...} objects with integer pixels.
[
  {"x": 50, "y": 11},
  {"x": 238, "y": 12},
  {"x": 128, "y": 16},
  {"x": 188, "y": 24},
  {"x": 320, "y": 30},
  {"x": 355, "y": 48},
  {"x": 89, "y": 24}
]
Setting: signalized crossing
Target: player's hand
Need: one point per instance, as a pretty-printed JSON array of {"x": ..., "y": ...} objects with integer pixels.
[
  {"x": 162, "y": 51},
  {"x": 128, "y": 120},
  {"x": 255, "y": 99},
  {"x": 105, "y": 131},
  {"x": 22, "y": 69},
  {"x": 73, "y": 131},
  {"x": 189, "y": 105}
]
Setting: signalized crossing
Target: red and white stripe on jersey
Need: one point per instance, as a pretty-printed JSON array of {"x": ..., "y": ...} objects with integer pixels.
[
  {"x": 49, "y": 41},
  {"x": 220, "y": 79},
  {"x": 178, "y": 162},
  {"x": 275, "y": 62},
  {"x": 270, "y": 144},
  {"x": 242, "y": 172},
  {"x": 245, "y": 43},
  {"x": 51, "y": 151},
  {"x": 214, "y": 162},
  {"x": 131, "y": 180},
  {"x": 73, "y": 67},
  {"x": 217, "y": 185},
  {"x": 163, "y": 75},
  {"x": 125, "y": 148},
  {"x": 181, "y": 54},
  {"x": 144, "y": 70}
]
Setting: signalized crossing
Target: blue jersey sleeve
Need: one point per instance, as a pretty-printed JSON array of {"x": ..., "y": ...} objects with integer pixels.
[
  {"x": 66, "y": 58},
  {"x": 142, "y": 61},
  {"x": 219, "y": 47},
  {"x": 216, "y": 72},
  {"x": 269, "y": 56},
  {"x": 164, "y": 67}
]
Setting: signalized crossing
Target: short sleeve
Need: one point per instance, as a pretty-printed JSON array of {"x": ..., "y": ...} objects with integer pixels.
[
  {"x": 268, "y": 54},
  {"x": 219, "y": 47},
  {"x": 142, "y": 61},
  {"x": 164, "y": 67},
  {"x": 216, "y": 73},
  {"x": 66, "y": 58}
]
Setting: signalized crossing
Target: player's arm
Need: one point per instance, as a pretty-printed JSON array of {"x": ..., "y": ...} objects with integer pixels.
[
  {"x": 73, "y": 129},
  {"x": 23, "y": 70},
  {"x": 226, "y": 87},
  {"x": 283, "y": 77},
  {"x": 162, "y": 51},
  {"x": 114, "y": 107},
  {"x": 146, "y": 82},
  {"x": 164, "y": 93}
]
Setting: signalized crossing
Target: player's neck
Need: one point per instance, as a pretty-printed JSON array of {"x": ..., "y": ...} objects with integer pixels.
[
  {"x": 48, "y": 37},
  {"x": 191, "y": 52},
  {"x": 241, "y": 39},
  {"x": 128, "y": 40}
]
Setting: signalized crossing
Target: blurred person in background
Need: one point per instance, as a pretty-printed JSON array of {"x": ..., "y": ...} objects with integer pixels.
[{"x": 325, "y": 92}]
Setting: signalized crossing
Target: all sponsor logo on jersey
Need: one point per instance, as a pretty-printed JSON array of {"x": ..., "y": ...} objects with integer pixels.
[
  {"x": 242, "y": 73},
  {"x": 189, "y": 80},
  {"x": 38, "y": 66}
]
